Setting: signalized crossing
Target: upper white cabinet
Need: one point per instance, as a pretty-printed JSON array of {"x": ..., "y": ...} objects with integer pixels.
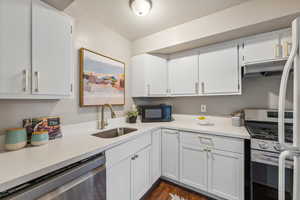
[
  {"x": 35, "y": 53},
  {"x": 149, "y": 76},
  {"x": 210, "y": 70},
  {"x": 266, "y": 47},
  {"x": 51, "y": 51},
  {"x": 15, "y": 45},
  {"x": 183, "y": 74},
  {"x": 219, "y": 70},
  {"x": 170, "y": 154}
]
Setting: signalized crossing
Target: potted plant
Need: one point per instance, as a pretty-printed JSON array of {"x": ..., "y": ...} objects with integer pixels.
[{"x": 132, "y": 116}]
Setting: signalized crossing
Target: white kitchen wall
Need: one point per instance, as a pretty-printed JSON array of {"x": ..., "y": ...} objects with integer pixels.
[
  {"x": 89, "y": 33},
  {"x": 257, "y": 93}
]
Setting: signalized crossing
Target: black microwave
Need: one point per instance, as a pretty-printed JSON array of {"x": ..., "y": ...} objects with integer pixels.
[{"x": 156, "y": 113}]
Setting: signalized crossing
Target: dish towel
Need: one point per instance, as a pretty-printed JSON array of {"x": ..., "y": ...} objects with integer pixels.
[{"x": 176, "y": 197}]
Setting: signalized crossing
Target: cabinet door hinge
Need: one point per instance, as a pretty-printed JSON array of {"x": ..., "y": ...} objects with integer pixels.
[
  {"x": 71, "y": 29},
  {"x": 71, "y": 87},
  {"x": 239, "y": 86}
]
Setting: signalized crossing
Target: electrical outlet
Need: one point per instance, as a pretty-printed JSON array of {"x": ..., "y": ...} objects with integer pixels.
[{"x": 203, "y": 108}]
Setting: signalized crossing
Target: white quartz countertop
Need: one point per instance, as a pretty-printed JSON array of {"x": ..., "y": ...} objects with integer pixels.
[{"x": 18, "y": 167}]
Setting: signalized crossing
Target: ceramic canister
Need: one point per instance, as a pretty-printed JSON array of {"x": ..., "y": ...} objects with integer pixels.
[
  {"x": 15, "y": 139},
  {"x": 39, "y": 138}
]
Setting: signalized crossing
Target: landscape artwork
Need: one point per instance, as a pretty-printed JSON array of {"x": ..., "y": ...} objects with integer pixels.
[{"x": 102, "y": 79}]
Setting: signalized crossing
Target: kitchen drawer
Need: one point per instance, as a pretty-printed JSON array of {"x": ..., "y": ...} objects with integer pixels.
[
  {"x": 123, "y": 151},
  {"x": 215, "y": 142}
]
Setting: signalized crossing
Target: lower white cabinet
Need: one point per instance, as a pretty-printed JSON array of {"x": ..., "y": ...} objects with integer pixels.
[
  {"x": 140, "y": 171},
  {"x": 156, "y": 156},
  {"x": 170, "y": 154},
  {"x": 226, "y": 175},
  {"x": 118, "y": 180},
  {"x": 129, "y": 179},
  {"x": 210, "y": 164},
  {"x": 193, "y": 167}
]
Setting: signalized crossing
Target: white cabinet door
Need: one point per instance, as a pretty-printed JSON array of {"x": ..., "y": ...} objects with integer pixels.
[
  {"x": 141, "y": 173},
  {"x": 219, "y": 71},
  {"x": 157, "y": 76},
  {"x": 118, "y": 180},
  {"x": 193, "y": 166},
  {"x": 156, "y": 156},
  {"x": 15, "y": 47},
  {"x": 226, "y": 175},
  {"x": 170, "y": 154},
  {"x": 139, "y": 86},
  {"x": 149, "y": 75},
  {"x": 51, "y": 51},
  {"x": 264, "y": 47},
  {"x": 183, "y": 75}
]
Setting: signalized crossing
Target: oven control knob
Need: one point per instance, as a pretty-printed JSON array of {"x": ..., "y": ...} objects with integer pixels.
[
  {"x": 263, "y": 145},
  {"x": 277, "y": 147}
]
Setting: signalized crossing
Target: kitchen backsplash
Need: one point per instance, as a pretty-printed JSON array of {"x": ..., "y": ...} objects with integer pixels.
[{"x": 257, "y": 92}]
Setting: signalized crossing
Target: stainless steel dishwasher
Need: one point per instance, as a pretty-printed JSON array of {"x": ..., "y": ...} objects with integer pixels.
[{"x": 84, "y": 180}]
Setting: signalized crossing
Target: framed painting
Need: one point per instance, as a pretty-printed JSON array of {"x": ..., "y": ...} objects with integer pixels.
[{"x": 102, "y": 79}]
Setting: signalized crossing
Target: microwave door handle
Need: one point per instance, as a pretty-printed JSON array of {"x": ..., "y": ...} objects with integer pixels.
[{"x": 284, "y": 81}]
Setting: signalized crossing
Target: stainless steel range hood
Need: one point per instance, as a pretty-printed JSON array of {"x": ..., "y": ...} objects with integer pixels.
[
  {"x": 59, "y": 4},
  {"x": 263, "y": 69}
]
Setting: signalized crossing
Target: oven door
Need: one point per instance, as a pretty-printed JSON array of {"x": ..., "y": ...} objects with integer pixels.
[{"x": 264, "y": 176}]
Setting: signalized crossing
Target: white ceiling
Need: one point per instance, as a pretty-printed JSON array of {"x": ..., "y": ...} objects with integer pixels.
[{"x": 116, "y": 14}]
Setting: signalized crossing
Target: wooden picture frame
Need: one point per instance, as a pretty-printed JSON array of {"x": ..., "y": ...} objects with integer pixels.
[{"x": 102, "y": 79}]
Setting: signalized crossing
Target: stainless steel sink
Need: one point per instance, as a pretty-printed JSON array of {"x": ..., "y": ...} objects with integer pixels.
[{"x": 112, "y": 133}]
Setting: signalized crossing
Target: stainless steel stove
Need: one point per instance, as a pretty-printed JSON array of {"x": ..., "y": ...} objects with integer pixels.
[
  {"x": 262, "y": 125},
  {"x": 263, "y": 128}
]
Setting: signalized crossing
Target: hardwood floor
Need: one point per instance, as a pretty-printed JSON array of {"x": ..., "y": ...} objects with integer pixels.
[{"x": 163, "y": 190}]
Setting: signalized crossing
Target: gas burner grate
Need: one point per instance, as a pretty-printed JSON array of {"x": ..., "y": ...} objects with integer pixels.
[{"x": 268, "y": 131}]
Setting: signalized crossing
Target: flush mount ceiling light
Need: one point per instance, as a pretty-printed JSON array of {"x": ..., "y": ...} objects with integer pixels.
[{"x": 140, "y": 7}]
